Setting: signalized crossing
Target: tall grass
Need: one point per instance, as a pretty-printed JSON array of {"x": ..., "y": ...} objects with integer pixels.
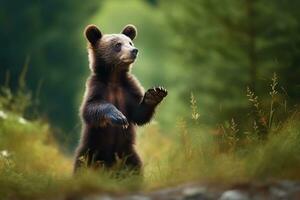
[{"x": 32, "y": 165}]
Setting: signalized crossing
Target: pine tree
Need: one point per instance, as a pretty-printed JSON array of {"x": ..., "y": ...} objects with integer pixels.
[
  {"x": 229, "y": 45},
  {"x": 48, "y": 34}
]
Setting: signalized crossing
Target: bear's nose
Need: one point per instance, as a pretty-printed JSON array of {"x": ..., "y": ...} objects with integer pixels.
[{"x": 134, "y": 52}]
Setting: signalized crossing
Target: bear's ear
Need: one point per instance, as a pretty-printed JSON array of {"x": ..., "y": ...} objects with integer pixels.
[
  {"x": 92, "y": 34},
  {"x": 130, "y": 31}
]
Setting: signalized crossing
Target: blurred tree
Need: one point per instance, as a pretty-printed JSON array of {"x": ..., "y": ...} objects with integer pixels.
[
  {"x": 279, "y": 46},
  {"x": 50, "y": 33},
  {"x": 228, "y": 45},
  {"x": 152, "y": 2}
]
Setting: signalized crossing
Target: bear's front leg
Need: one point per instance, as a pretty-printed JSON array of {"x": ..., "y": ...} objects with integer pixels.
[
  {"x": 145, "y": 110},
  {"x": 155, "y": 95},
  {"x": 103, "y": 114},
  {"x": 112, "y": 116}
]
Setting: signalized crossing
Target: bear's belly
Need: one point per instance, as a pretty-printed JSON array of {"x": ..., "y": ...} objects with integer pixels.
[
  {"x": 117, "y": 97},
  {"x": 111, "y": 139},
  {"x": 118, "y": 138}
]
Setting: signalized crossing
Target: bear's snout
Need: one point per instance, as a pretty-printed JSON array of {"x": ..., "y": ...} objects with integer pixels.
[{"x": 134, "y": 52}]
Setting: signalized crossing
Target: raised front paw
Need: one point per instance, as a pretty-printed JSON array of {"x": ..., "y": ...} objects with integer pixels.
[
  {"x": 115, "y": 118},
  {"x": 155, "y": 95}
]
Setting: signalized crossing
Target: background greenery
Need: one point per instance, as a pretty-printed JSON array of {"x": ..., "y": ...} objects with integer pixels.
[
  {"x": 211, "y": 48},
  {"x": 231, "y": 68}
]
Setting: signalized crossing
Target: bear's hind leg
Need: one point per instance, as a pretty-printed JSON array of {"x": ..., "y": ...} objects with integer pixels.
[{"x": 132, "y": 162}]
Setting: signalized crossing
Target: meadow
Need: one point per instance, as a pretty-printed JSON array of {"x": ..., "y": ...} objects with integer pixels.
[
  {"x": 33, "y": 166},
  {"x": 228, "y": 118}
]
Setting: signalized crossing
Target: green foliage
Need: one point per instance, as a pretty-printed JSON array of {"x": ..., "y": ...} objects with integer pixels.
[
  {"x": 218, "y": 53},
  {"x": 19, "y": 100},
  {"x": 229, "y": 45},
  {"x": 50, "y": 33},
  {"x": 215, "y": 49},
  {"x": 32, "y": 165}
]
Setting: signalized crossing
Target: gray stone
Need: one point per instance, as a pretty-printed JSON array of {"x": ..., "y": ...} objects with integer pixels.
[
  {"x": 288, "y": 185},
  {"x": 194, "y": 193},
  {"x": 137, "y": 197},
  {"x": 97, "y": 197},
  {"x": 277, "y": 193},
  {"x": 234, "y": 195}
]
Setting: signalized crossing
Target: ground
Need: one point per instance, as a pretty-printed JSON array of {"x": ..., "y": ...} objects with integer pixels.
[
  {"x": 194, "y": 191},
  {"x": 230, "y": 163}
]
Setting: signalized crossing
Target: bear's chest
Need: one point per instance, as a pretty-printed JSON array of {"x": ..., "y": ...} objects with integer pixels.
[{"x": 117, "y": 96}]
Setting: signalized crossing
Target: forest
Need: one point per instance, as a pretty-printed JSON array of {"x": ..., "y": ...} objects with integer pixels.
[{"x": 231, "y": 67}]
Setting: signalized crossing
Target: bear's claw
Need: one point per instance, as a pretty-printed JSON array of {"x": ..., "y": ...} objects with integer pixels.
[
  {"x": 117, "y": 118},
  {"x": 155, "y": 95}
]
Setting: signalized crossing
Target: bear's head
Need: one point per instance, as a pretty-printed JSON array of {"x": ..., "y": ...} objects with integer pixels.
[{"x": 111, "y": 52}]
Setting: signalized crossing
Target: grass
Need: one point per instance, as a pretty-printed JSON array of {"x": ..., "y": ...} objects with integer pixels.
[{"x": 32, "y": 165}]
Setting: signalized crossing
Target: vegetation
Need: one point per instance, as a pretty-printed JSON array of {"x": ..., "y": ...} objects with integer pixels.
[
  {"x": 33, "y": 166},
  {"x": 234, "y": 44},
  {"x": 242, "y": 121},
  {"x": 231, "y": 44}
]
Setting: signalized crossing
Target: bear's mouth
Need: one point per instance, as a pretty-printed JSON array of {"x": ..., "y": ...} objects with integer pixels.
[{"x": 128, "y": 60}]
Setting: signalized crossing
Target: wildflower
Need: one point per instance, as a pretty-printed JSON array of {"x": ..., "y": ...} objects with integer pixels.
[
  {"x": 22, "y": 120},
  {"x": 4, "y": 153},
  {"x": 153, "y": 122},
  {"x": 195, "y": 114},
  {"x": 3, "y": 115}
]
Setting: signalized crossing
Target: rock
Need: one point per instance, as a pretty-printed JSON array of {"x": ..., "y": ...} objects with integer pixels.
[
  {"x": 234, "y": 195},
  {"x": 194, "y": 193},
  {"x": 97, "y": 197},
  {"x": 278, "y": 193},
  {"x": 286, "y": 184},
  {"x": 137, "y": 197}
]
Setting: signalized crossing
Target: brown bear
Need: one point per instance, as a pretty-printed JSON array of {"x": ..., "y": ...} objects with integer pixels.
[{"x": 114, "y": 102}]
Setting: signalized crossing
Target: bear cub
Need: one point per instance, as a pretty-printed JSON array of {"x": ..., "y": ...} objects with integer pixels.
[{"x": 114, "y": 102}]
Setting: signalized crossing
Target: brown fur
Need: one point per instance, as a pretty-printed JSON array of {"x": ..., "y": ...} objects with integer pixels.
[{"x": 114, "y": 102}]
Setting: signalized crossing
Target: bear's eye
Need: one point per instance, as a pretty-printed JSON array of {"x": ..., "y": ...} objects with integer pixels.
[
  {"x": 130, "y": 43},
  {"x": 118, "y": 46}
]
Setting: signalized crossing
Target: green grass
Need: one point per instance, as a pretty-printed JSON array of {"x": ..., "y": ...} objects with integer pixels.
[{"x": 265, "y": 147}]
